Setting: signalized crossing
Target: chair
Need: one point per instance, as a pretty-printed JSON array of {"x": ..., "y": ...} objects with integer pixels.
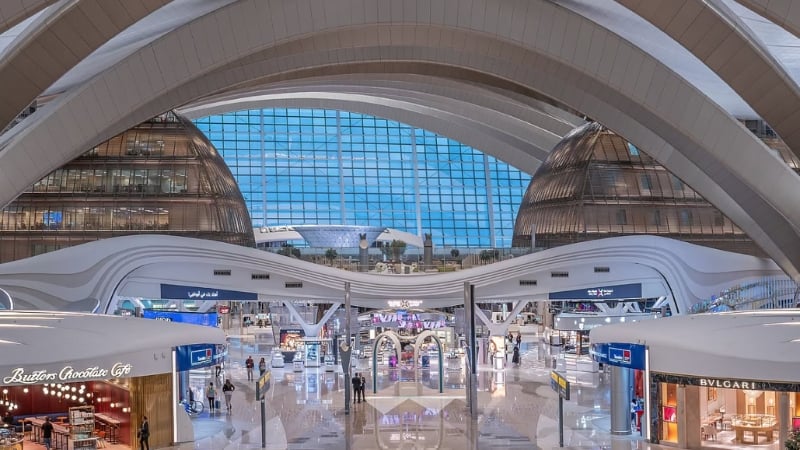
[{"x": 101, "y": 438}]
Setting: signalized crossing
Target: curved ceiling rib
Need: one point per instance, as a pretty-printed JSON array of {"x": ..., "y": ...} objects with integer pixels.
[
  {"x": 783, "y": 13},
  {"x": 539, "y": 114},
  {"x": 12, "y": 13},
  {"x": 41, "y": 57},
  {"x": 711, "y": 34},
  {"x": 484, "y": 120},
  {"x": 523, "y": 46}
]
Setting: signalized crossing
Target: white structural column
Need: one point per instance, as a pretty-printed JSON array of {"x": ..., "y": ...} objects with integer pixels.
[
  {"x": 500, "y": 329},
  {"x": 311, "y": 329}
]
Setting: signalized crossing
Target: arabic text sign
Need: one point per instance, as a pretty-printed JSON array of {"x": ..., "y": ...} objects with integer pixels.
[
  {"x": 178, "y": 292},
  {"x": 559, "y": 384}
]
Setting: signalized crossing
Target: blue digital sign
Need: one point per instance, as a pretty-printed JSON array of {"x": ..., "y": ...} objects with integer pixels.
[
  {"x": 616, "y": 292},
  {"x": 178, "y": 292},
  {"x": 620, "y": 354},
  {"x": 198, "y": 356},
  {"x": 206, "y": 319}
]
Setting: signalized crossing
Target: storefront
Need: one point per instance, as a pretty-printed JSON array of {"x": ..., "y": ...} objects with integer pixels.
[
  {"x": 95, "y": 376},
  {"x": 717, "y": 379}
]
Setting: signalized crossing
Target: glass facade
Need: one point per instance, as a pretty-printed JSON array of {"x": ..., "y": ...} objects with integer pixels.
[
  {"x": 160, "y": 177},
  {"x": 327, "y": 167},
  {"x": 595, "y": 184}
]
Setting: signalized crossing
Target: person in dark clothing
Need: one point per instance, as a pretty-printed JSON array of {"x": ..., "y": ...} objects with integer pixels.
[
  {"x": 356, "y": 387},
  {"x": 250, "y": 364},
  {"x": 363, "y": 382},
  {"x": 144, "y": 434},
  {"x": 519, "y": 339},
  {"x": 47, "y": 433},
  {"x": 515, "y": 358}
]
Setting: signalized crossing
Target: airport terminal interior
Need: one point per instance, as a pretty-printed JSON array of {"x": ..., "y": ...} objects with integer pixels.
[{"x": 394, "y": 224}]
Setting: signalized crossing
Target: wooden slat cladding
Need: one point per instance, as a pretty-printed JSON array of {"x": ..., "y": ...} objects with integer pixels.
[{"x": 151, "y": 396}]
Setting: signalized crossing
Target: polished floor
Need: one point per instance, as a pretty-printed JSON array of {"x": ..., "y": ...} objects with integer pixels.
[{"x": 517, "y": 409}]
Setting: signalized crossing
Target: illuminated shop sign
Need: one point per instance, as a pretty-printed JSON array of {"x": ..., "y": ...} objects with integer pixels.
[
  {"x": 726, "y": 383},
  {"x": 404, "y": 303},
  {"x": 616, "y": 292},
  {"x": 178, "y": 292},
  {"x": 198, "y": 355},
  {"x": 406, "y": 321},
  {"x": 68, "y": 373},
  {"x": 207, "y": 319},
  {"x": 619, "y": 354}
]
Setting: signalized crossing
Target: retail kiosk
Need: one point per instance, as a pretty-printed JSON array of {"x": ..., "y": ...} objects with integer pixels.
[
  {"x": 727, "y": 378},
  {"x": 95, "y": 376}
]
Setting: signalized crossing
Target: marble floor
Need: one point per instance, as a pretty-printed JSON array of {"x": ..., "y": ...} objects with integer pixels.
[{"x": 517, "y": 409}]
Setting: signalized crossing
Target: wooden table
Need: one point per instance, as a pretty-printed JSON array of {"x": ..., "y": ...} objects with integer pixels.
[{"x": 755, "y": 430}]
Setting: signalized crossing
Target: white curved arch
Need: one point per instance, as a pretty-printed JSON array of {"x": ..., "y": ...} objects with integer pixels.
[
  {"x": 12, "y": 13},
  {"x": 52, "y": 39},
  {"x": 588, "y": 68},
  {"x": 522, "y": 145},
  {"x": 716, "y": 37},
  {"x": 96, "y": 271}
]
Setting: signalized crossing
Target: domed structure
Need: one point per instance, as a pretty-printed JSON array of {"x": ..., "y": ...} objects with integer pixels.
[
  {"x": 595, "y": 184},
  {"x": 162, "y": 177}
]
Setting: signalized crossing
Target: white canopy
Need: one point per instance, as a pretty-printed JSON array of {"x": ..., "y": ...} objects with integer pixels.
[
  {"x": 747, "y": 345},
  {"x": 47, "y": 346}
]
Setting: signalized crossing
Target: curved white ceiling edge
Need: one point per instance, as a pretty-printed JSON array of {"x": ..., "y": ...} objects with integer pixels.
[
  {"x": 527, "y": 109},
  {"x": 715, "y": 35},
  {"x": 523, "y": 145},
  {"x": 614, "y": 87},
  {"x": 782, "y": 13},
  {"x": 96, "y": 270},
  {"x": 12, "y": 13}
]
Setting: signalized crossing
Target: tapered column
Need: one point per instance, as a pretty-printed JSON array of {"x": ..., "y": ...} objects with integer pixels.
[
  {"x": 472, "y": 354},
  {"x": 620, "y": 400},
  {"x": 784, "y": 417}
]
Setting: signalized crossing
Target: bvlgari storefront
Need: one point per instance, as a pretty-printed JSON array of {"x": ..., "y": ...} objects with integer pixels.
[
  {"x": 718, "y": 379},
  {"x": 94, "y": 376},
  {"x": 725, "y": 411}
]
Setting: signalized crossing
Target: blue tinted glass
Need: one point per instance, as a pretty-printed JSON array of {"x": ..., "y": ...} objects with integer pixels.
[{"x": 302, "y": 166}]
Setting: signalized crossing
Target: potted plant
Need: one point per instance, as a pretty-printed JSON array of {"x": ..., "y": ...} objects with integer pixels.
[{"x": 793, "y": 442}]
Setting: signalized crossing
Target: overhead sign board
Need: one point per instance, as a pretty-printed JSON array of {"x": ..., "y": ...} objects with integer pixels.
[
  {"x": 178, "y": 292},
  {"x": 206, "y": 319},
  {"x": 615, "y": 292},
  {"x": 198, "y": 355},
  {"x": 559, "y": 384},
  {"x": 620, "y": 354}
]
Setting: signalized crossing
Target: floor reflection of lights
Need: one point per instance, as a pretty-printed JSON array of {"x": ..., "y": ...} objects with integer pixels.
[{"x": 517, "y": 408}]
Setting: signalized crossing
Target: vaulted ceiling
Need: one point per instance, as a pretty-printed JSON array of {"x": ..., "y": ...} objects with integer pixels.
[{"x": 509, "y": 78}]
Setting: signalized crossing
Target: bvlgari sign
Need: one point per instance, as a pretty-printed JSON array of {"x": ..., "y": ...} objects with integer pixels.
[
  {"x": 730, "y": 384},
  {"x": 67, "y": 373}
]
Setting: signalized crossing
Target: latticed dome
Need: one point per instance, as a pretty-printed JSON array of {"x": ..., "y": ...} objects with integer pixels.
[
  {"x": 162, "y": 177},
  {"x": 595, "y": 184}
]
